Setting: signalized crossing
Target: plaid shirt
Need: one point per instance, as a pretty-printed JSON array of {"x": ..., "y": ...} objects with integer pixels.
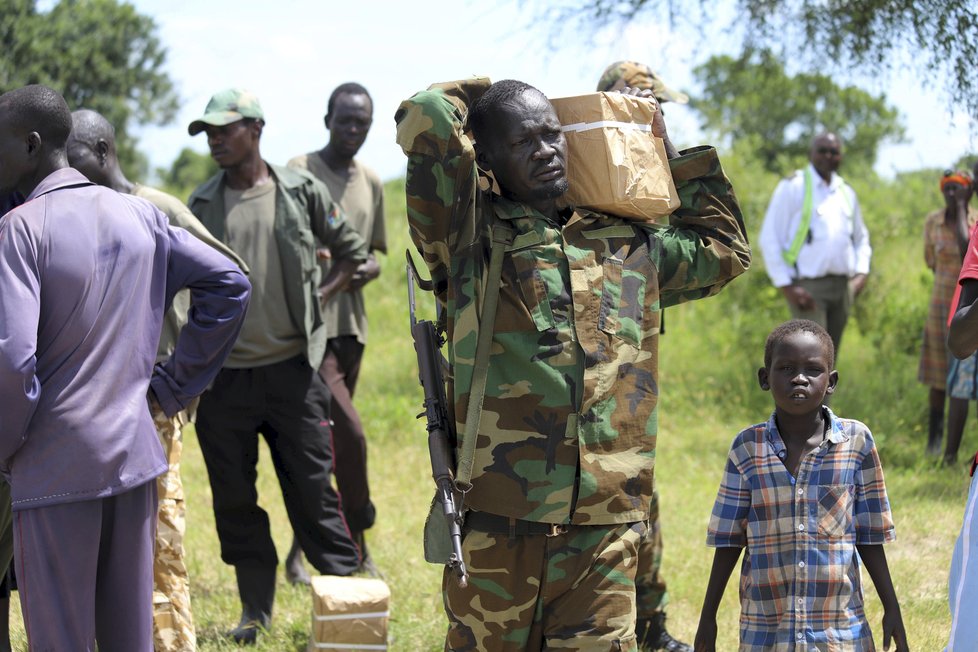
[{"x": 800, "y": 581}]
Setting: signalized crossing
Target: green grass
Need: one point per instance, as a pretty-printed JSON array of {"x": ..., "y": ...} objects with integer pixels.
[{"x": 708, "y": 374}]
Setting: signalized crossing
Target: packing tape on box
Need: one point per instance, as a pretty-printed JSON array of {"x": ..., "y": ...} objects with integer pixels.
[
  {"x": 375, "y": 614},
  {"x": 624, "y": 126}
]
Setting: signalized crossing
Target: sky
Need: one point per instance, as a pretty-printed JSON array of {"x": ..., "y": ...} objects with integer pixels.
[{"x": 292, "y": 53}]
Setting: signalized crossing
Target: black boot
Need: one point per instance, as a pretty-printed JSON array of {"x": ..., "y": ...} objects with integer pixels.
[
  {"x": 295, "y": 570},
  {"x": 652, "y": 635},
  {"x": 935, "y": 432},
  {"x": 367, "y": 566},
  {"x": 256, "y": 586}
]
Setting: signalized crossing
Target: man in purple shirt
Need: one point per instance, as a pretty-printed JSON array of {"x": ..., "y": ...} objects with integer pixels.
[{"x": 85, "y": 277}]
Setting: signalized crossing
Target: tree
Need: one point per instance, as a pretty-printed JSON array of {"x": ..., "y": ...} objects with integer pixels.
[
  {"x": 188, "y": 170},
  {"x": 752, "y": 99},
  {"x": 840, "y": 35},
  {"x": 99, "y": 54}
]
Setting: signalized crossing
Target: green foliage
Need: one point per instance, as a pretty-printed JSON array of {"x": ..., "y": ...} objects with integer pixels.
[
  {"x": 188, "y": 170},
  {"x": 99, "y": 54},
  {"x": 940, "y": 35},
  {"x": 751, "y": 98},
  {"x": 880, "y": 351}
]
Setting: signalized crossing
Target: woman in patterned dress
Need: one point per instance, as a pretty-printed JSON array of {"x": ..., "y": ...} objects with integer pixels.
[{"x": 946, "y": 234}]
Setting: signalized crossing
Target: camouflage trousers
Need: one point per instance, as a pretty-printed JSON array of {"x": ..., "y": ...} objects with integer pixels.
[
  {"x": 650, "y": 587},
  {"x": 573, "y": 591},
  {"x": 173, "y": 626}
]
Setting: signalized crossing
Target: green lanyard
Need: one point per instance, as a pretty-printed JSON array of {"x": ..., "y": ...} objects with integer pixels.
[{"x": 791, "y": 256}]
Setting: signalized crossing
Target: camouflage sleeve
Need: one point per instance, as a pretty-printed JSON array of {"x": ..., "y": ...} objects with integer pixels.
[
  {"x": 705, "y": 245},
  {"x": 442, "y": 183},
  {"x": 331, "y": 227}
]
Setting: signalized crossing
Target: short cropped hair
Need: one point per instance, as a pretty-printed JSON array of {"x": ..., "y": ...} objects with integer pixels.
[
  {"x": 798, "y": 326},
  {"x": 89, "y": 126},
  {"x": 348, "y": 88},
  {"x": 41, "y": 109},
  {"x": 482, "y": 112}
]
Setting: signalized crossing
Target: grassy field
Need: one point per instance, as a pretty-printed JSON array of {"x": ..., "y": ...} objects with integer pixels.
[{"x": 708, "y": 366}]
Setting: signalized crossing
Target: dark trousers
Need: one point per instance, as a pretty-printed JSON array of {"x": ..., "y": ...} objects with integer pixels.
[
  {"x": 340, "y": 370},
  {"x": 288, "y": 403},
  {"x": 85, "y": 572},
  {"x": 833, "y": 303}
]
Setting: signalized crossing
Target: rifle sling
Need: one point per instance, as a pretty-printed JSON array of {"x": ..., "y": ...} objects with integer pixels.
[{"x": 502, "y": 236}]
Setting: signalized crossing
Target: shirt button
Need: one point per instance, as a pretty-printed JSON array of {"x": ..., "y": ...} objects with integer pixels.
[
  {"x": 801, "y": 564},
  {"x": 800, "y": 636},
  {"x": 801, "y": 526},
  {"x": 801, "y": 492},
  {"x": 781, "y": 454},
  {"x": 801, "y": 601}
]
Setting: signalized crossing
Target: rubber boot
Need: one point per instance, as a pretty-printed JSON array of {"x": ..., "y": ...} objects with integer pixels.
[
  {"x": 256, "y": 586},
  {"x": 295, "y": 570},
  {"x": 652, "y": 635},
  {"x": 935, "y": 432}
]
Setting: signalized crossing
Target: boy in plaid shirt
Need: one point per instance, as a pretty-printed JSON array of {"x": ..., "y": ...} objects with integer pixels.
[{"x": 802, "y": 492}]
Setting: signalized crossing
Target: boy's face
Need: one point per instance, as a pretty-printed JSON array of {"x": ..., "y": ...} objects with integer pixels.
[{"x": 800, "y": 375}]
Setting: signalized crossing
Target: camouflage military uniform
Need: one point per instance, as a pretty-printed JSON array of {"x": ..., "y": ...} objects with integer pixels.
[
  {"x": 173, "y": 626},
  {"x": 650, "y": 588},
  {"x": 569, "y": 421}
]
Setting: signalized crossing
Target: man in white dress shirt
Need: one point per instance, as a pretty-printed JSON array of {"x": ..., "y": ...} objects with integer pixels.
[{"x": 814, "y": 242}]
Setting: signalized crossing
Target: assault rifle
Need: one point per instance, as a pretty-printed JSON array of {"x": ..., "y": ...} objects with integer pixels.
[{"x": 441, "y": 429}]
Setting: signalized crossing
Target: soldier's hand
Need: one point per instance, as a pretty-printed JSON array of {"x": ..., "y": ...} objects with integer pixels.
[{"x": 658, "y": 119}]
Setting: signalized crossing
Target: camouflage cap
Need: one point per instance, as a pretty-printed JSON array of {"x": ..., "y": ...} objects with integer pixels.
[
  {"x": 638, "y": 75},
  {"x": 228, "y": 106}
]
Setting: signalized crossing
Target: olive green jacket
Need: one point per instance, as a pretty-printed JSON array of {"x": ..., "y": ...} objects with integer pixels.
[{"x": 305, "y": 218}]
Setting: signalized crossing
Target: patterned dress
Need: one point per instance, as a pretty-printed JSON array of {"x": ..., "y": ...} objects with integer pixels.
[{"x": 943, "y": 255}]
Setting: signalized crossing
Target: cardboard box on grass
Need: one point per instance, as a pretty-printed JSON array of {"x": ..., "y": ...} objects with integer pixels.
[
  {"x": 615, "y": 165},
  {"x": 349, "y": 613}
]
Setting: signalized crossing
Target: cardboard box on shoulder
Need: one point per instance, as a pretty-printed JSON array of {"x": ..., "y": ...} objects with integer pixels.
[
  {"x": 349, "y": 613},
  {"x": 615, "y": 165}
]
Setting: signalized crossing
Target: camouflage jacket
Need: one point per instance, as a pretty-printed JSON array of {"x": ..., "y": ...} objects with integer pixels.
[{"x": 569, "y": 421}]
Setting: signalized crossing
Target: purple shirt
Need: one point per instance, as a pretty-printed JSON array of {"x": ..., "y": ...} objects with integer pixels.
[{"x": 85, "y": 276}]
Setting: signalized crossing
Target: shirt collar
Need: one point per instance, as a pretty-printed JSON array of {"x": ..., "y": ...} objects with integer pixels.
[
  {"x": 833, "y": 183},
  {"x": 835, "y": 433},
  {"x": 507, "y": 209},
  {"x": 61, "y": 178}
]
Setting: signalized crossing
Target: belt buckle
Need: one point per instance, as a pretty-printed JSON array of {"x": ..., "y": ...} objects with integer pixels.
[{"x": 556, "y": 529}]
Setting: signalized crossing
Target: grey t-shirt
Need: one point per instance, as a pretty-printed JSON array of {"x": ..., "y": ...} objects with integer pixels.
[
  {"x": 361, "y": 198},
  {"x": 268, "y": 334}
]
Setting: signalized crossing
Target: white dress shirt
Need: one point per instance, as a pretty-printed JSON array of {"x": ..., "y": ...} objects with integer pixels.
[{"x": 838, "y": 242}]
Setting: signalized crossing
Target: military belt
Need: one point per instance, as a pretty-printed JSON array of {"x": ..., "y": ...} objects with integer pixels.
[{"x": 496, "y": 524}]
